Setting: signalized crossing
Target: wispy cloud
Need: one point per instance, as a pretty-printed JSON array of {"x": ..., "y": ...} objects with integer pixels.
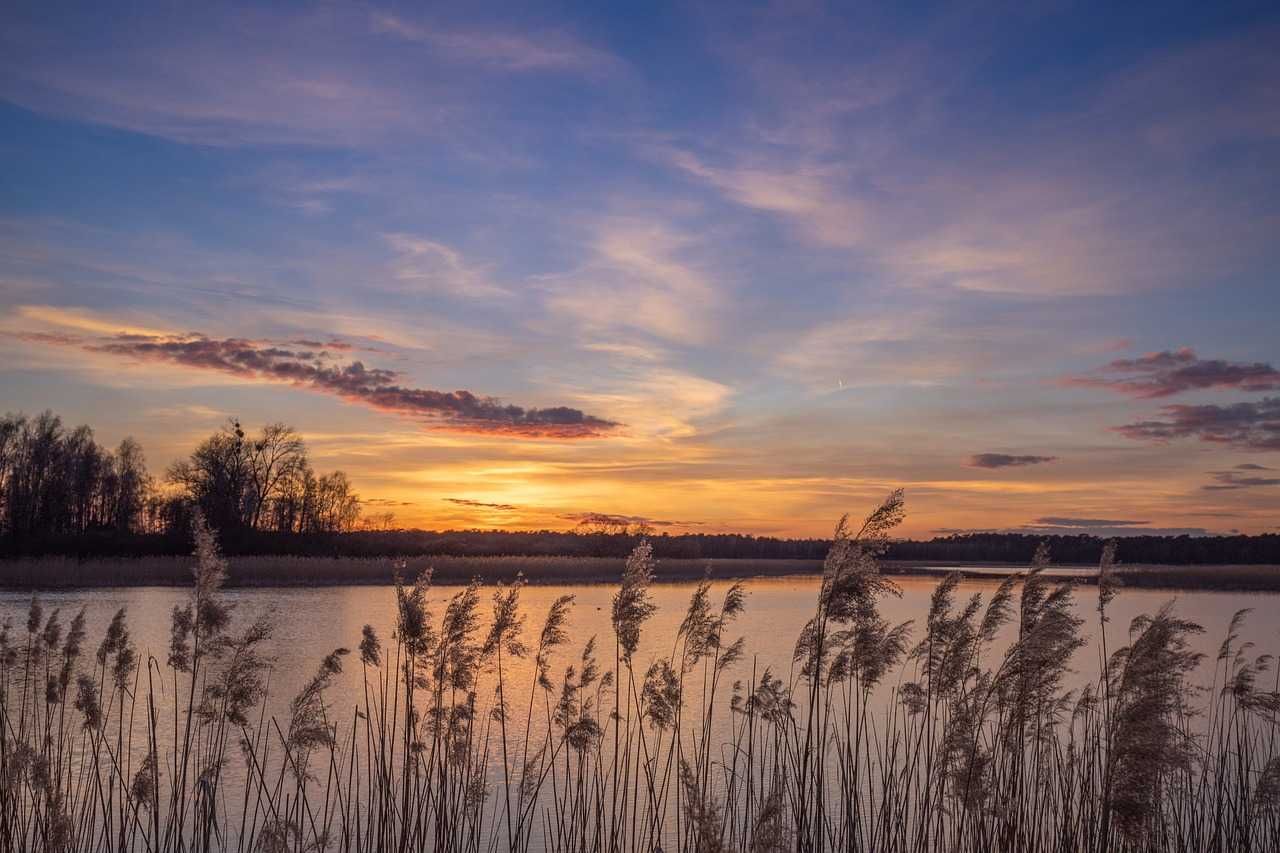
[
  {"x": 332, "y": 76},
  {"x": 548, "y": 51},
  {"x": 638, "y": 277},
  {"x": 605, "y": 519},
  {"x": 377, "y": 388},
  {"x": 805, "y": 195},
  {"x": 1105, "y": 528},
  {"x": 433, "y": 267},
  {"x": 656, "y": 401},
  {"x": 1225, "y": 481},
  {"x": 482, "y": 504},
  {"x": 1068, "y": 521},
  {"x": 216, "y": 81},
  {"x": 331, "y": 344},
  {"x": 1005, "y": 460},
  {"x": 187, "y": 413},
  {"x": 1163, "y": 374},
  {"x": 1250, "y": 425},
  {"x": 879, "y": 156},
  {"x": 1102, "y": 528}
]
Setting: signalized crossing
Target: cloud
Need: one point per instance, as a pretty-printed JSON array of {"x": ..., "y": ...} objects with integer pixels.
[
  {"x": 1114, "y": 532},
  {"x": 801, "y": 194},
  {"x": 1163, "y": 374},
  {"x": 326, "y": 76},
  {"x": 1067, "y": 521},
  {"x": 436, "y": 267},
  {"x": 1252, "y": 425},
  {"x": 1252, "y": 466},
  {"x": 638, "y": 277},
  {"x": 1103, "y": 528},
  {"x": 880, "y": 155},
  {"x": 333, "y": 344},
  {"x": 605, "y": 519},
  {"x": 1230, "y": 480},
  {"x": 656, "y": 401},
  {"x": 886, "y": 346},
  {"x": 187, "y": 412},
  {"x": 374, "y": 387},
  {"x": 1004, "y": 460},
  {"x": 583, "y": 519},
  {"x": 217, "y": 80},
  {"x": 482, "y": 504},
  {"x": 545, "y": 51}
]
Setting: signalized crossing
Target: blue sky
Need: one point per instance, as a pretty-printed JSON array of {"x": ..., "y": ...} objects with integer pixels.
[{"x": 740, "y": 266}]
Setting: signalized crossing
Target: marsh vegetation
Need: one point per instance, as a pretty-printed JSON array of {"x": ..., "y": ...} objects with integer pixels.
[{"x": 988, "y": 722}]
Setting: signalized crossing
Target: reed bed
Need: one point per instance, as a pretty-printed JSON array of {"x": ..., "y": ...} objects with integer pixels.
[{"x": 955, "y": 733}]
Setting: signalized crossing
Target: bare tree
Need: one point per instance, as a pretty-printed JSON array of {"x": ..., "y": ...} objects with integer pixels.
[{"x": 273, "y": 458}]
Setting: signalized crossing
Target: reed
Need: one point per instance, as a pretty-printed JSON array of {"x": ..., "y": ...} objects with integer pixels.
[{"x": 958, "y": 733}]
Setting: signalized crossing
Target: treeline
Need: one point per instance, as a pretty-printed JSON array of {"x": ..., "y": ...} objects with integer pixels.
[
  {"x": 995, "y": 548},
  {"x": 62, "y": 492},
  {"x": 1086, "y": 550}
]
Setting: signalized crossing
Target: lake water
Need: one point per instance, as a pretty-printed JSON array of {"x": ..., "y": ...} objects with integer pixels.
[{"x": 309, "y": 623}]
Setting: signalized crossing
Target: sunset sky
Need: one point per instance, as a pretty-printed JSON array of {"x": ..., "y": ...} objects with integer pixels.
[{"x": 720, "y": 266}]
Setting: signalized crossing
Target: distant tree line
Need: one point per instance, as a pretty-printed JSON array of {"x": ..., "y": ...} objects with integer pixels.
[
  {"x": 991, "y": 548},
  {"x": 1010, "y": 548},
  {"x": 59, "y": 487},
  {"x": 1082, "y": 549},
  {"x": 62, "y": 493}
]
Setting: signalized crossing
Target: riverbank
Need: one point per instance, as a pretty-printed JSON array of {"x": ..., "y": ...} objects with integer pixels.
[{"x": 285, "y": 571}]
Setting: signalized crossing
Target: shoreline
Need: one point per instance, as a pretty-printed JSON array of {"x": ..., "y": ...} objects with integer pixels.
[{"x": 249, "y": 572}]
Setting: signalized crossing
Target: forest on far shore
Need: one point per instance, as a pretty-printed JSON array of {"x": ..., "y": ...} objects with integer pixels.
[
  {"x": 962, "y": 548},
  {"x": 62, "y": 494}
]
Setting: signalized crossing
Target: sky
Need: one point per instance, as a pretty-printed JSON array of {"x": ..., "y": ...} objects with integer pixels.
[{"x": 724, "y": 267}]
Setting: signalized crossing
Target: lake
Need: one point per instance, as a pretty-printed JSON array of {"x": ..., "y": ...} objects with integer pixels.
[{"x": 309, "y": 623}]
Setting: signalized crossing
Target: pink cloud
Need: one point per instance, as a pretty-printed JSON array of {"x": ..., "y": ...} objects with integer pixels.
[{"x": 1163, "y": 374}]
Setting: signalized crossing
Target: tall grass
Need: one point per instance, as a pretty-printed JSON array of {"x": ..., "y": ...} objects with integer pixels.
[{"x": 957, "y": 733}]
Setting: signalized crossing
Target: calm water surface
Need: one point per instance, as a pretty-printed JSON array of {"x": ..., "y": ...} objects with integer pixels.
[{"x": 309, "y": 623}]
